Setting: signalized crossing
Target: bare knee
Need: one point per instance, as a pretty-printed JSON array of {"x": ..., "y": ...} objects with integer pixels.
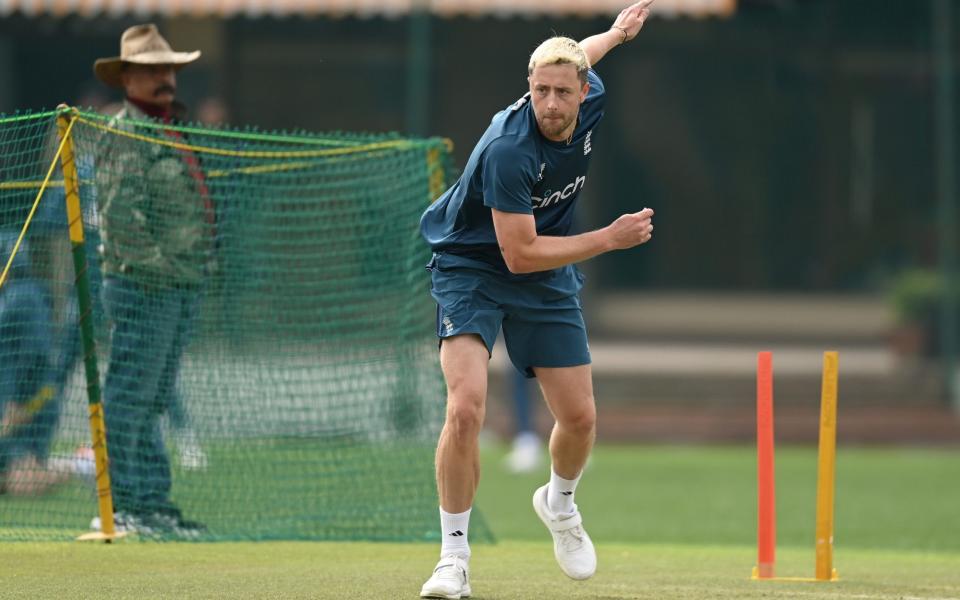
[
  {"x": 580, "y": 422},
  {"x": 464, "y": 361},
  {"x": 465, "y": 414}
]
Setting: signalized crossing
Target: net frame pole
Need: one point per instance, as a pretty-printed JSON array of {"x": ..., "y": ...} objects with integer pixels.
[
  {"x": 418, "y": 68},
  {"x": 98, "y": 430},
  {"x": 944, "y": 102}
]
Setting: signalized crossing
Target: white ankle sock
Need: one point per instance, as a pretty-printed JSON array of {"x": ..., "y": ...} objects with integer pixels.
[
  {"x": 453, "y": 527},
  {"x": 560, "y": 494}
]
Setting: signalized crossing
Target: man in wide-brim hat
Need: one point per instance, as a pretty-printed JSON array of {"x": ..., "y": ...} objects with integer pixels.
[
  {"x": 157, "y": 227},
  {"x": 142, "y": 48}
]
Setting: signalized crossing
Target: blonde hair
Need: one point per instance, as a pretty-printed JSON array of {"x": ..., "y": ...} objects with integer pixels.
[{"x": 560, "y": 50}]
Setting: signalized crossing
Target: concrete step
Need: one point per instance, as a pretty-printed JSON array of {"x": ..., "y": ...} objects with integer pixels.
[
  {"x": 725, "y": 375},
  {"x": 681, "y": 392},
  {"x": 829, "y": 319}
]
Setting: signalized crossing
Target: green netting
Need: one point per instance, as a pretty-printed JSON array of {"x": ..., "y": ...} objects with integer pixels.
[{"x": 264, "y": 330}]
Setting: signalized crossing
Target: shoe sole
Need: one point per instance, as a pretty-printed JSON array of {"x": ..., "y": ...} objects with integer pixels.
[
  {"x": 463, "y": 594},
  {"x": 542, "y": 492}
]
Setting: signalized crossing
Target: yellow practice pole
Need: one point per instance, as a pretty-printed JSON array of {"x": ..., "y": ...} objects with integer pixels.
[
  {"x": 98, "y": 430},
  {"x": 436, "y": 177},
  {"x": 826, "y": 469}
]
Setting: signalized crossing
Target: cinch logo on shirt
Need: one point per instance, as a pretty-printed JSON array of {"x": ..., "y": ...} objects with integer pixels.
[{"x": 570, "y": 189}]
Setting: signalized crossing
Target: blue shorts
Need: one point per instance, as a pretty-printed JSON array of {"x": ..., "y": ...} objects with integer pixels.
[{"x": 541, "y": 316}]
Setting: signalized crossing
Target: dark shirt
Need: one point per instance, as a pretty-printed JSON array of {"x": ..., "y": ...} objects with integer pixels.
[{"x": 514, "y": 168}]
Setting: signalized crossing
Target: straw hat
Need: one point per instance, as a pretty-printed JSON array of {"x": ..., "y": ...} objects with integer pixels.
[{"x": 140, "y": 45}]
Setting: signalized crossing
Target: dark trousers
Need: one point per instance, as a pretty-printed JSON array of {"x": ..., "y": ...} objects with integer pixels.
[{"x": 151, "y": 328}]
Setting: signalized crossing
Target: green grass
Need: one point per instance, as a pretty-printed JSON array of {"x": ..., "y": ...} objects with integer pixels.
[
  {"x": 505, "y": 571},
  {"x": 885, "y": 498},
  {"x": 669, "y": 522}
]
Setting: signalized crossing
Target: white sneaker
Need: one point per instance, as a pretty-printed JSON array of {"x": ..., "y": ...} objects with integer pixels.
[
  {"x": 571, "y": 544},
  {"x": 81, "y": 463},
  {"x": 123, "y": 523},
  {"x": 450, "y": 580},
  {"x": 85, "y": 463},
  {"x": 192, "y": 456},
  {"x": 527, "y": 453}
]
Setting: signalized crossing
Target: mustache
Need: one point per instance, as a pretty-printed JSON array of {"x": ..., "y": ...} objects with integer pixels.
[{"x": 164, "y": 89}]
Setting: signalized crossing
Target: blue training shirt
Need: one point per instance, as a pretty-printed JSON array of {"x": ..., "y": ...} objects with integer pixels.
[{"x": 513, "y": 168}]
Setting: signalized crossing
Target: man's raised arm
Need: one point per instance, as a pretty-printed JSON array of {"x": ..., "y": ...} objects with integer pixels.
[{"x": 626, "y": 27}]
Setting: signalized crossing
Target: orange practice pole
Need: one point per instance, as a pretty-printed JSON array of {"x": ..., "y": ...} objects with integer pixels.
[{"x": 766, "y": 499}]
